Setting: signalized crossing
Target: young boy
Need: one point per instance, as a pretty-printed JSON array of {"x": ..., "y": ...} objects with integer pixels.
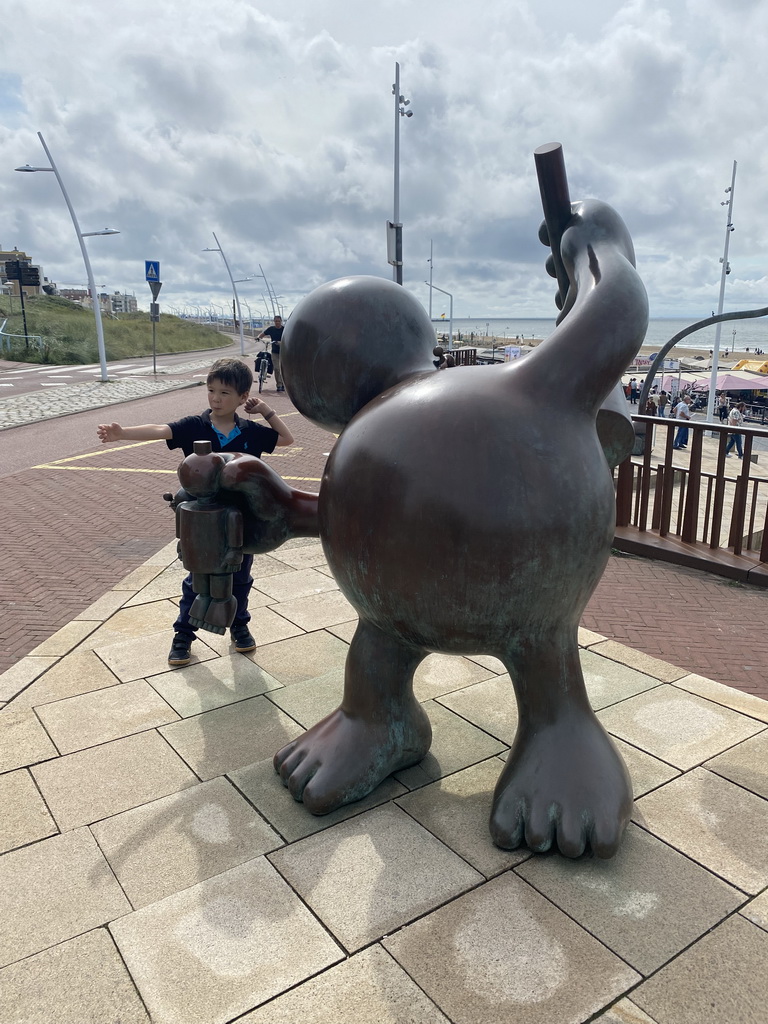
[{"x": 229, "y": 383}]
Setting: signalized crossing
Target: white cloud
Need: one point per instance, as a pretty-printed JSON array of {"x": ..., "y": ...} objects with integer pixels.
[{"x": 271, "y": 123}]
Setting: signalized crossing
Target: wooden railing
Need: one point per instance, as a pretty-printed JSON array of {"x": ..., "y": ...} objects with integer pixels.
[{"x": 691, "y": 507}]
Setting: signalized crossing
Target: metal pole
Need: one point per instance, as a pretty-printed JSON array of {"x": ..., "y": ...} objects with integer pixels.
[
  {"x": 87, "y": 262},
  {"x": 450, "y": 310},
  {"x": 430, "y": 279},
  {"x": 723, "y": 274},
  {"x": 397, "y": 270},
  {"x": 154, "y": 348},
  {"x": 234, "y": 292}
]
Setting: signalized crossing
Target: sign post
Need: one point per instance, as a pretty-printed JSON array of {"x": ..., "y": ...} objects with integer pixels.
[
  {"x": 152, "y": 272},
  {"x": 18, "y": 270}
]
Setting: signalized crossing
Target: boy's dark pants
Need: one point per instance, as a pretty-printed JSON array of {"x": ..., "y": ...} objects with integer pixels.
[{"x": 241, "y": 586}]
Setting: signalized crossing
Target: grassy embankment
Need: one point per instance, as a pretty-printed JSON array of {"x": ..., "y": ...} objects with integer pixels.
[{"x": 68, "y": 333}]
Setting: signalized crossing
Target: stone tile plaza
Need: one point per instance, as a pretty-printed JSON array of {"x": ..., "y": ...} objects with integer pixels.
[{"x": 154, "y": 868}]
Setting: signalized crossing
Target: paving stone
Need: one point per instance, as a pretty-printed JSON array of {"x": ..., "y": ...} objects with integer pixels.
[
  {"x": 456, "y": 744},
  {"x": 344, "y": 630},
  {"x": 730, "y": 697},
  {"x": 268, "y": 565},
  {"x": 457, "y": 810},
  {"x": 20, "y": 675},
  {"x": 368, "y": 875},
  {"x": 166, "y": 557},
  {"x": 139, "y": 578},
  {"x": 646, "y": 772},
  {"x": 757, "y": 910},
  {"x": 714, "y": 822},
  {"x": 146, "y": 655},
  {"x": 746, "y": 764},
  {"x": 304, "y": 557},
  {"x": 231, "y": 737},
  {"x": 96, "y": 783},
  {"x": 24, "y": 817},
  {"x": 182, "y": 839},
  {"x": 264, "y": 788},
  {"x": 635, "y": 659},
  {"x": 609, "y": 682},
  {"x": 488, "y": 661},
  {"x": 442, "y": 673},
  {"x": 209, "y": 953},
  {"x": 369, "y": 988},
  {"x": 318, "y": 611},
  {"x": 23, "y": 740},
  {"x": 52, "y": 891},
  {"x": 212, "y": 684},
  {"x": 80, "y": 981},
  {"x": 504, "y": 953},
  {"x": 81, "y": 671},
  {"x": 165, "y": 587},
  {"x": 266, "y": 626},
  {"x": 302, "y": 657},
  {"x": 490, "y": 705},
  {"x": 624, "y": 1012},
  {"x": 63, "y": 640},
  {"x": 92, "y": 718},
  {"x": 587, "y": 637},
  {"x": 106, "y": 605},
  {"x": 131, "y": 622},
  {"x": 288, "y": 586},
  {"x": 646, "y": 903},
  {"x": 676, "y": 726},
  {"x": 309, "y": 701},
  {"x": 721, "y": 978}
]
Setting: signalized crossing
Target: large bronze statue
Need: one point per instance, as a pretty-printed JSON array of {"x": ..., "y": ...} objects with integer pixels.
[{"x": 467, "y": 511}]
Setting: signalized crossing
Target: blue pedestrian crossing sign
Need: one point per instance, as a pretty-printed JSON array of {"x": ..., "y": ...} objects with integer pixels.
[{"x": 152, "y": 269}]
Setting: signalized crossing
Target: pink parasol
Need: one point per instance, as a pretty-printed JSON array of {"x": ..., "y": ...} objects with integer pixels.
[{"x": 733, "y": 382}]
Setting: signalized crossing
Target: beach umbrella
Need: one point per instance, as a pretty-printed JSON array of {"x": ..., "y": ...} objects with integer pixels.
[{"x": 733, "y": 382}]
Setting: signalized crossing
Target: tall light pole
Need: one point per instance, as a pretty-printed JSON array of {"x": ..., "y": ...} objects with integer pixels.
[
  {"x": 723, "y": 274},
  {"x": 234, "y": 290},
  {"x": 429, "y": 282},
  {"x": 394, "y": 227},
  {"x": 81, "y": 236},
  {"x": 450, "y": 312}
]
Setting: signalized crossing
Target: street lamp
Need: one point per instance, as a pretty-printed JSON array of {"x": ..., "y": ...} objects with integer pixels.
[
  {"x": 429, "y": 261},
  {"x": 724, "y": 273},
  {"x": 450, "y": 312},
  {"x": 234, "y": 290},
  {"x": 395, "y": 228},
  {"x": 81, "y": 235}
]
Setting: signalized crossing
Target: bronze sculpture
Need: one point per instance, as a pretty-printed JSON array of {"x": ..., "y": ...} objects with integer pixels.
[{"x": 493, "y": 547}]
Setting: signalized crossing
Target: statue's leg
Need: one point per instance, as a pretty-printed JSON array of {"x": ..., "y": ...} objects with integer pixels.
[
  {"x": 564, "y": 780},
  {"x": 379, "y": 728}
]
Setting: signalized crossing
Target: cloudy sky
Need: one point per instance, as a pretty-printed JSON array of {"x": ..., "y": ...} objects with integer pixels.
[{"x": 271, "y": 122}]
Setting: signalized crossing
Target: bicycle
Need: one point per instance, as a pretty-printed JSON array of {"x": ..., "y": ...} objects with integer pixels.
[{"x": 263, "y": 365}]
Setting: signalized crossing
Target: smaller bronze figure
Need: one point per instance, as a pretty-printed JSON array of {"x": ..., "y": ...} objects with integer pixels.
[{"x": 210, "y": 539}]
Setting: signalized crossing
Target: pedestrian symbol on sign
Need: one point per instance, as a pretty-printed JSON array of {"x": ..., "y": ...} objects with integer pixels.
[{"x": 152, "y": 268}]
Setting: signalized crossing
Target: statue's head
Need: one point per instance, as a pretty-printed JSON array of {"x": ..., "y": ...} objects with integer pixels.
[
  {"x": 348, "y": 341},
  {"x": 200, "y": 472}
]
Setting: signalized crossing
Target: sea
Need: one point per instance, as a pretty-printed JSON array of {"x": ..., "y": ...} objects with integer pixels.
[{"x": 734, "y": 334}]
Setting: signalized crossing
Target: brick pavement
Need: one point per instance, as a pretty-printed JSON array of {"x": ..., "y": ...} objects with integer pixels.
[{"x": 95, "y": 527}]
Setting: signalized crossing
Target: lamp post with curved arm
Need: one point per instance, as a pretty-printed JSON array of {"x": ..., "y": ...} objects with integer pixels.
[
  {"x": 234, "y": 289},
  {"x": 81, "y": 236}
]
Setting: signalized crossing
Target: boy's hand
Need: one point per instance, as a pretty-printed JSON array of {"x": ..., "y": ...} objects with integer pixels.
[
  {"x": 109, "y": 432},
  {"x": 254, "y": 404}
]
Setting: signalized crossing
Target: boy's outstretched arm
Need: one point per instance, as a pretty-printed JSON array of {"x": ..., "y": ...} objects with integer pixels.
[
  {"x": 146, "y": 432},
  {"x": 273, "y": 420}
]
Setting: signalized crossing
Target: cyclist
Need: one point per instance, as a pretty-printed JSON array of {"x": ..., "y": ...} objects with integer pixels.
[{"x": 275, "y": 332}]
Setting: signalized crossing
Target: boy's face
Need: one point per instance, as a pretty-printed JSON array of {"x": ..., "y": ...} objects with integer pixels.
[{"x": 223, "y": 399}]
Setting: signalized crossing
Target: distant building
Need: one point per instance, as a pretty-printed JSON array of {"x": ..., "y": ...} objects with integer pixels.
[
  {"x": 12, "y": 287},
  {"x": 119, "y": 303}
]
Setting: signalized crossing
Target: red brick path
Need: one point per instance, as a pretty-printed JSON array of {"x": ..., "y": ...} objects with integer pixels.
[{"x": 70, "y": 534}]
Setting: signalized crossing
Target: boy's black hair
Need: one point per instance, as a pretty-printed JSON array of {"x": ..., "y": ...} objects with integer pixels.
[{"x": 232, "y": 372}]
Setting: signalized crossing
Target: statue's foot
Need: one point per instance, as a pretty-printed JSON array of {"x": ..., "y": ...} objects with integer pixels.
[
  {"x": 344, "y": 757},
  {"x": 566, "y": 783}
]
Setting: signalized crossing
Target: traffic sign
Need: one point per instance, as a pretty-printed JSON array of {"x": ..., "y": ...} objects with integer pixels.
[
  {"x": 154, "y": 287},
  {"x": 152, "y": 270}
]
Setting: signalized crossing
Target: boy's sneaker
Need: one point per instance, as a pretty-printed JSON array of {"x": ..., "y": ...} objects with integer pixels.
[
  {"x": 242, "y": 639},
  {"x": 180, "y": 653}
]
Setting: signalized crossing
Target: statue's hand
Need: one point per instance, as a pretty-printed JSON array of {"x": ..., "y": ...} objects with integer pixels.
[{"x": 273, "y": 511}]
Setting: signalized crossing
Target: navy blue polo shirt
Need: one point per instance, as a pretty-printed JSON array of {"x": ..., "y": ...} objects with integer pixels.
[{"x": 250, "y": 438}]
